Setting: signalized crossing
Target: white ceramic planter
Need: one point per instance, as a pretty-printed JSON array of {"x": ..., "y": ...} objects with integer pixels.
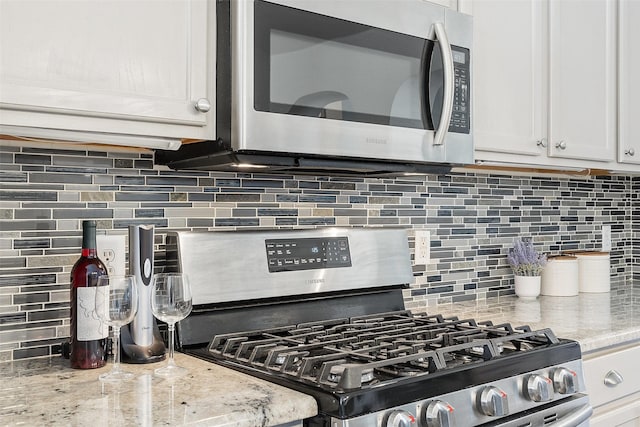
[{"x": 527, "y": 286}]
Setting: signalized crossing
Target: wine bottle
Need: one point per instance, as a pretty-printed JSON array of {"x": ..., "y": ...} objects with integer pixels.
[{"x": 88, "y": 346}]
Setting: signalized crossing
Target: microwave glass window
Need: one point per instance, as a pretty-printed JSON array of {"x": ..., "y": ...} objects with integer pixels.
[{"x": 314, "y": 65}]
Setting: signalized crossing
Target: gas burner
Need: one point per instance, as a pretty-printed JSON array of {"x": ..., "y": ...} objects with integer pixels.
[
  {"x": 403, "y": 370},
  {"x": 465, "y": 358},
  {"x": 336, "y": 372}
]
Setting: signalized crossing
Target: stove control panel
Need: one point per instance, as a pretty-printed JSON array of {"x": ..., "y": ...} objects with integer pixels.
[
  {"x": 530, "y": 398},
  {"x": 307, "y": 253}
]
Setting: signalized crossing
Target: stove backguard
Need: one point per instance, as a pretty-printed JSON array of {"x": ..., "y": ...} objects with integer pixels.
[
  {"x": 244, "y": 280},
  {"x": 237, "y": 266}
]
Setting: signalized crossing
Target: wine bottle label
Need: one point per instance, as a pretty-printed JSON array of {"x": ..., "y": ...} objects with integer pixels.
[{"x": 90, "y": 327}]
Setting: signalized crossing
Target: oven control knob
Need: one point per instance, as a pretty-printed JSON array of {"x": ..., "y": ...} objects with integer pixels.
[
  {"x": 400, "y": 418},
  {"x": 438, "y": 414},
  {"x": 565, "y": 381},
  {"x": 493, "y": 402},
  {"x": 538, "y": 388}
]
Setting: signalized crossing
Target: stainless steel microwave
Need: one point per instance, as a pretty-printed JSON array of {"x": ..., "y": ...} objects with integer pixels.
[{"x": 353, "y": 86}]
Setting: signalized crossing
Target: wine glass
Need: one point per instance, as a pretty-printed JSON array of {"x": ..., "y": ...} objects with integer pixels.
[
  {"x": 116, "y": 305},
  {"x": 170, "y": 302}
]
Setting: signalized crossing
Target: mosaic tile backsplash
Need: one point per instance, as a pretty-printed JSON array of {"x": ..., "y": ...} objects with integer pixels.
[{"x": 46, "y": 192}]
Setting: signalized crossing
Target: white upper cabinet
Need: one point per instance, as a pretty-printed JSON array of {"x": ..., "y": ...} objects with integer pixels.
[
  {"x": 545, "y": 83},
  {"x": 125, "y": 67},
  {"x": 451, "y": 4},
  {"x": 629, "y": 82},
  {"x": 509, "y": 101},
  {"x": 582, "y": 87}
]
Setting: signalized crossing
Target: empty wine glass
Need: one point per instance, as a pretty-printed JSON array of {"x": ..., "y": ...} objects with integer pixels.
[
  {"x": 116, "y": 305},
  {"x": 171, "y": 302}
]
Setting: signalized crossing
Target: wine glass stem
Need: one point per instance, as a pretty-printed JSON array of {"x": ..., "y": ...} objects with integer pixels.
[
  {"x": 116, "y": 349},
  {"x": 171, "y": 335}
]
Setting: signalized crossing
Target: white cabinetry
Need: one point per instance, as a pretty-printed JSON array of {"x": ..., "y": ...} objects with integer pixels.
[
  {"x": 451, "y": 4},
  {"x": 544, "y": 82},
  {"x": 509, "y": 63},
  {"x": 613, "y": 385},
  {"x": 629, "y": 84},
  {"x": 115, "y": 67},
  {"x": 582, "y": 84}
]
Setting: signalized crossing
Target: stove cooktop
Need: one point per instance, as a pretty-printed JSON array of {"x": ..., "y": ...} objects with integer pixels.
[{"x": 378, "y": 361}]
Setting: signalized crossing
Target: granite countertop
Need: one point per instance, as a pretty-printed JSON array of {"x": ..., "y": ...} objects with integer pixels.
[
  {"x": 596, "y": 320},
  {"x": 47, "y": 392}
]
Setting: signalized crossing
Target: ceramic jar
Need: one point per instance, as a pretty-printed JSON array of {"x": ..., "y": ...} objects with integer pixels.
[
  {"x": 594, "y": 271},
  {"x": 560, "y": 276}
]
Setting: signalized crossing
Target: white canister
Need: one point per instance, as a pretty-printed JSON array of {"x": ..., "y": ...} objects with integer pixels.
[
  {"x": 560, "y": 276},
  {"x": 594, "y": 271}
]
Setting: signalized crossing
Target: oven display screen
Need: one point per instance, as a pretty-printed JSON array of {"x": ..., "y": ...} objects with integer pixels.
[{"x": 307, "y": 254}]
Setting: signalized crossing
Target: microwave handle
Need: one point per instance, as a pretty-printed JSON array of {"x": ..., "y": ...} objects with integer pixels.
[{"x": 447, "y": 100}]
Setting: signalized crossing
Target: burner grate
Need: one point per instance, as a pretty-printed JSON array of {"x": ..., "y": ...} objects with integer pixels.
[{"x": 345, "y": 354}]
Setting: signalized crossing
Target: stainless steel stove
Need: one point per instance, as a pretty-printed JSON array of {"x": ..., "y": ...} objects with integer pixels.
[{"x": 321, "y": 311}]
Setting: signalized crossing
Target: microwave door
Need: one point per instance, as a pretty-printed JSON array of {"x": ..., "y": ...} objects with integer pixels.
[{"x": 317, "y": 85}]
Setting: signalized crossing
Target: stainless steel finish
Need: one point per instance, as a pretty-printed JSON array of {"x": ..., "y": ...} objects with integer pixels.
[
  {"x": 378, "y": 13},
  {"x": 613, "y": 378},
  {"x": 575, "y": 412},
  {"x": 203, "y": 105},
  {"x": 141, "y": 267},
  {"x": 564, "y": 381},
  {"x": 262, "y": 131},
  {"x": 438, "y": 414},
  {"x": 400, "y": 418},
  {"x": 577, "y": 417},
  {"x": 493, "y": 402},
  {"x": 466, "y": 414},
  {"x": 561, "y": 145},
  {"x": 539, "y": 388},
  {"x": 630, "y": 152},
  {"x": 447, "y": 98},
  {"x": 542, "y": 142},
  {"x": 214, "y": 260}
]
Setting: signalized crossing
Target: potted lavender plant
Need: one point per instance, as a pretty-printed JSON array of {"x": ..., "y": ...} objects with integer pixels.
[{"x": 527, "y": 265}]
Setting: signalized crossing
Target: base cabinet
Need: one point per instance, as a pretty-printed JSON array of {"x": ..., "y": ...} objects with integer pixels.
[
  {"x": 613, "y": 384},
  {"x": 623, "y": 413}
]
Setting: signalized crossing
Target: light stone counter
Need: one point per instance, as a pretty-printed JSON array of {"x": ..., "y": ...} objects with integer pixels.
[
  {"x": 43, "y": 392},
  {"x": 48, "y": 392},
  {"x": 595, "y": 320}
]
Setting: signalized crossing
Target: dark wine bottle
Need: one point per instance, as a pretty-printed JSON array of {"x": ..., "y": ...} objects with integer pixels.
[{"x": 88, "y": 347}]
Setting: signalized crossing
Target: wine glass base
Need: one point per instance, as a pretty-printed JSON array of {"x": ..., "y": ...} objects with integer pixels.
[
  {"x": 116, "y": 377},
  {"x": 171, "y": 371}
]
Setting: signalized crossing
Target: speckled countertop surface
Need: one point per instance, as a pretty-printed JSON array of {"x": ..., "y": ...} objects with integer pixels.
[
  {"x": 42, "y": 392},
  {"x": 47, "y": 391},
  {"x": 596, "y": 320}
]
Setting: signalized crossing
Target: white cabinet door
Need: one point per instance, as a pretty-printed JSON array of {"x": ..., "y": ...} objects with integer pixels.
[
  {"x": 451, "y": 4},
  {"x": 613, "y": 385},
  {"x": 135, "y": 60},
  {"x": 629, "y": 83},
  {"x": 619, "y": 413},
  {"x": 582, "y": 61},
  {"x": 509, "y": 70}
]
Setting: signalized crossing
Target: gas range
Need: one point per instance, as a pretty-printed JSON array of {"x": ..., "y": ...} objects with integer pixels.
[{"x": 366, "y": 360}]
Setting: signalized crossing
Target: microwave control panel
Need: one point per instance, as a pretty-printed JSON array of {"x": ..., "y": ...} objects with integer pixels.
[
  {"x": 460, "y": 116},
  {"x": 307, "y": 253}
]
